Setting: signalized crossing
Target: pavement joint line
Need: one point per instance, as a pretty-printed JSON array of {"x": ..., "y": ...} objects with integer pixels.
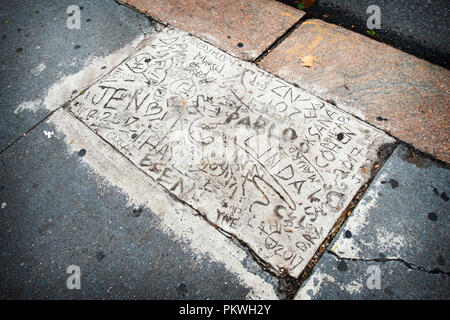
[
  {"x": 409, "y": 265},
  {"x": 30, "y": 129},
  {"x": 377, "y": 166},
  {"x": 379, "y": 84},
  {"x": 407, "y": 144},
  {"x": 281, "y": 38}
]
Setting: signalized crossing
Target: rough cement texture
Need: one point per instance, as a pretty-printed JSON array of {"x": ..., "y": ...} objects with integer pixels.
[
  {"x": 394, "y": 91},
  {"x": 40, "y": 57},
  {"x": 339, "y": 279},
  {"x": 401, "y": 226},
  {"x": 68, "y": 197},
  {"x": 63, "y": 203},
  {"x": 60, "y": 205},
  {"x": 242, "y": 28},
  {"x": 265, "y": 161},
  {"x": 404, "y": 214}
]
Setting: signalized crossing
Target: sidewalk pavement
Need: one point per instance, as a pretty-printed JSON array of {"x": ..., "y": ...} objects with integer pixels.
[
  {"x": 58, "y": 207},
  {"x": 417, "y": 27},
  {"x": 395, "y": 243},
  {"x": 38, "y": 49},
  {"x": 100, "y": 180}
]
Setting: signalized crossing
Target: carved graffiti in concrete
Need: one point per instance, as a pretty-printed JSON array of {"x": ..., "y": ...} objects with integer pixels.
[{"x": 263, "y": 160}]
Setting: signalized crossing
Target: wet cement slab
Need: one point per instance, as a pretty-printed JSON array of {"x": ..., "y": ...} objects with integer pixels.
[
  {"x": 40, "y": 55},
  {"x": 67, "y": 198},
  {"x": 392, "y": 90},
  {"x": 242, "y": 28},
  {"x": 259, "y": 158},
  {"x": 400, "y": 226}
]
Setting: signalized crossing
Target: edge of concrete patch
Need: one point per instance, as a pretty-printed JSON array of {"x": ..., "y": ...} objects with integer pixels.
[
  {"x": 370, "y": 139},
  {"x": 68, "y": 88},
  {"x": 178, "y": 219},
  {"x": 392, "y": 90},
  {"x": 409, "y": 246}
]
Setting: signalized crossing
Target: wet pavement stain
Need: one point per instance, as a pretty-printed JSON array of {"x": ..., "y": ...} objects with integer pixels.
[
  {"x": 342, "y": 266},
  {"x": 432, "y": 216},
  {"x": 394, "y": 183},
  {"x": 82, "y": 153}
]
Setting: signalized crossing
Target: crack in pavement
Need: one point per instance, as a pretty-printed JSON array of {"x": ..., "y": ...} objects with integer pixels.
[{"x": 409, "y": 265}]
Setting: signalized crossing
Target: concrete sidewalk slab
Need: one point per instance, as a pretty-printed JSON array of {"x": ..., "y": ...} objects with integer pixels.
[
  {"x": 390, "y": 222},
  {"x": 40, "y": 58},
  {"x": 340, "y": 279},
  {"x": 262, "y": 160},
  {"x": 401, "y": 226},
  {"x": 242, "y": 28},
  {"x": 68, "y": 198},
  {"x": 406, "y": 96}
]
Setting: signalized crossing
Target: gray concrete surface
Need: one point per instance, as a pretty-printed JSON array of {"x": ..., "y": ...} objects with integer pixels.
[
  {"x": 58, "y": 212},
  {"x": 209, "y": 128},
  {"x": 339, "y": 279},
  {"x": 57, "y": 208},
  {"x": 400, "y": 225},
  {"x": 38, "y": 49},
  {"x": 68, "y": 198}
]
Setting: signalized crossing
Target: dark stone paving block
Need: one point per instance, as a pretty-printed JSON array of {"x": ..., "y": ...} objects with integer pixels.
[
  {"x": 260, "y": 159},
  {"x": 37, "y": 49}
]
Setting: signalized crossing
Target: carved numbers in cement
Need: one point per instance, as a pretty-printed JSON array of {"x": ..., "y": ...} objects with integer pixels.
[{"x": 260, "y": 158}]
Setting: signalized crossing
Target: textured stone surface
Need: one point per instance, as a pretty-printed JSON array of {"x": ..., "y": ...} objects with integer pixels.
[
  {"x": 261, "y": 159},
  {"x": 38, "y": 51},
  {"x": 392, "y": 90},
  {"x": 340, "y": 279},
  {"x": 68, "y": 198},
  {"x": 243, "y": 28},
  {"x": 400, "y": 225},
  {"x": 391, "y": 221}
]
